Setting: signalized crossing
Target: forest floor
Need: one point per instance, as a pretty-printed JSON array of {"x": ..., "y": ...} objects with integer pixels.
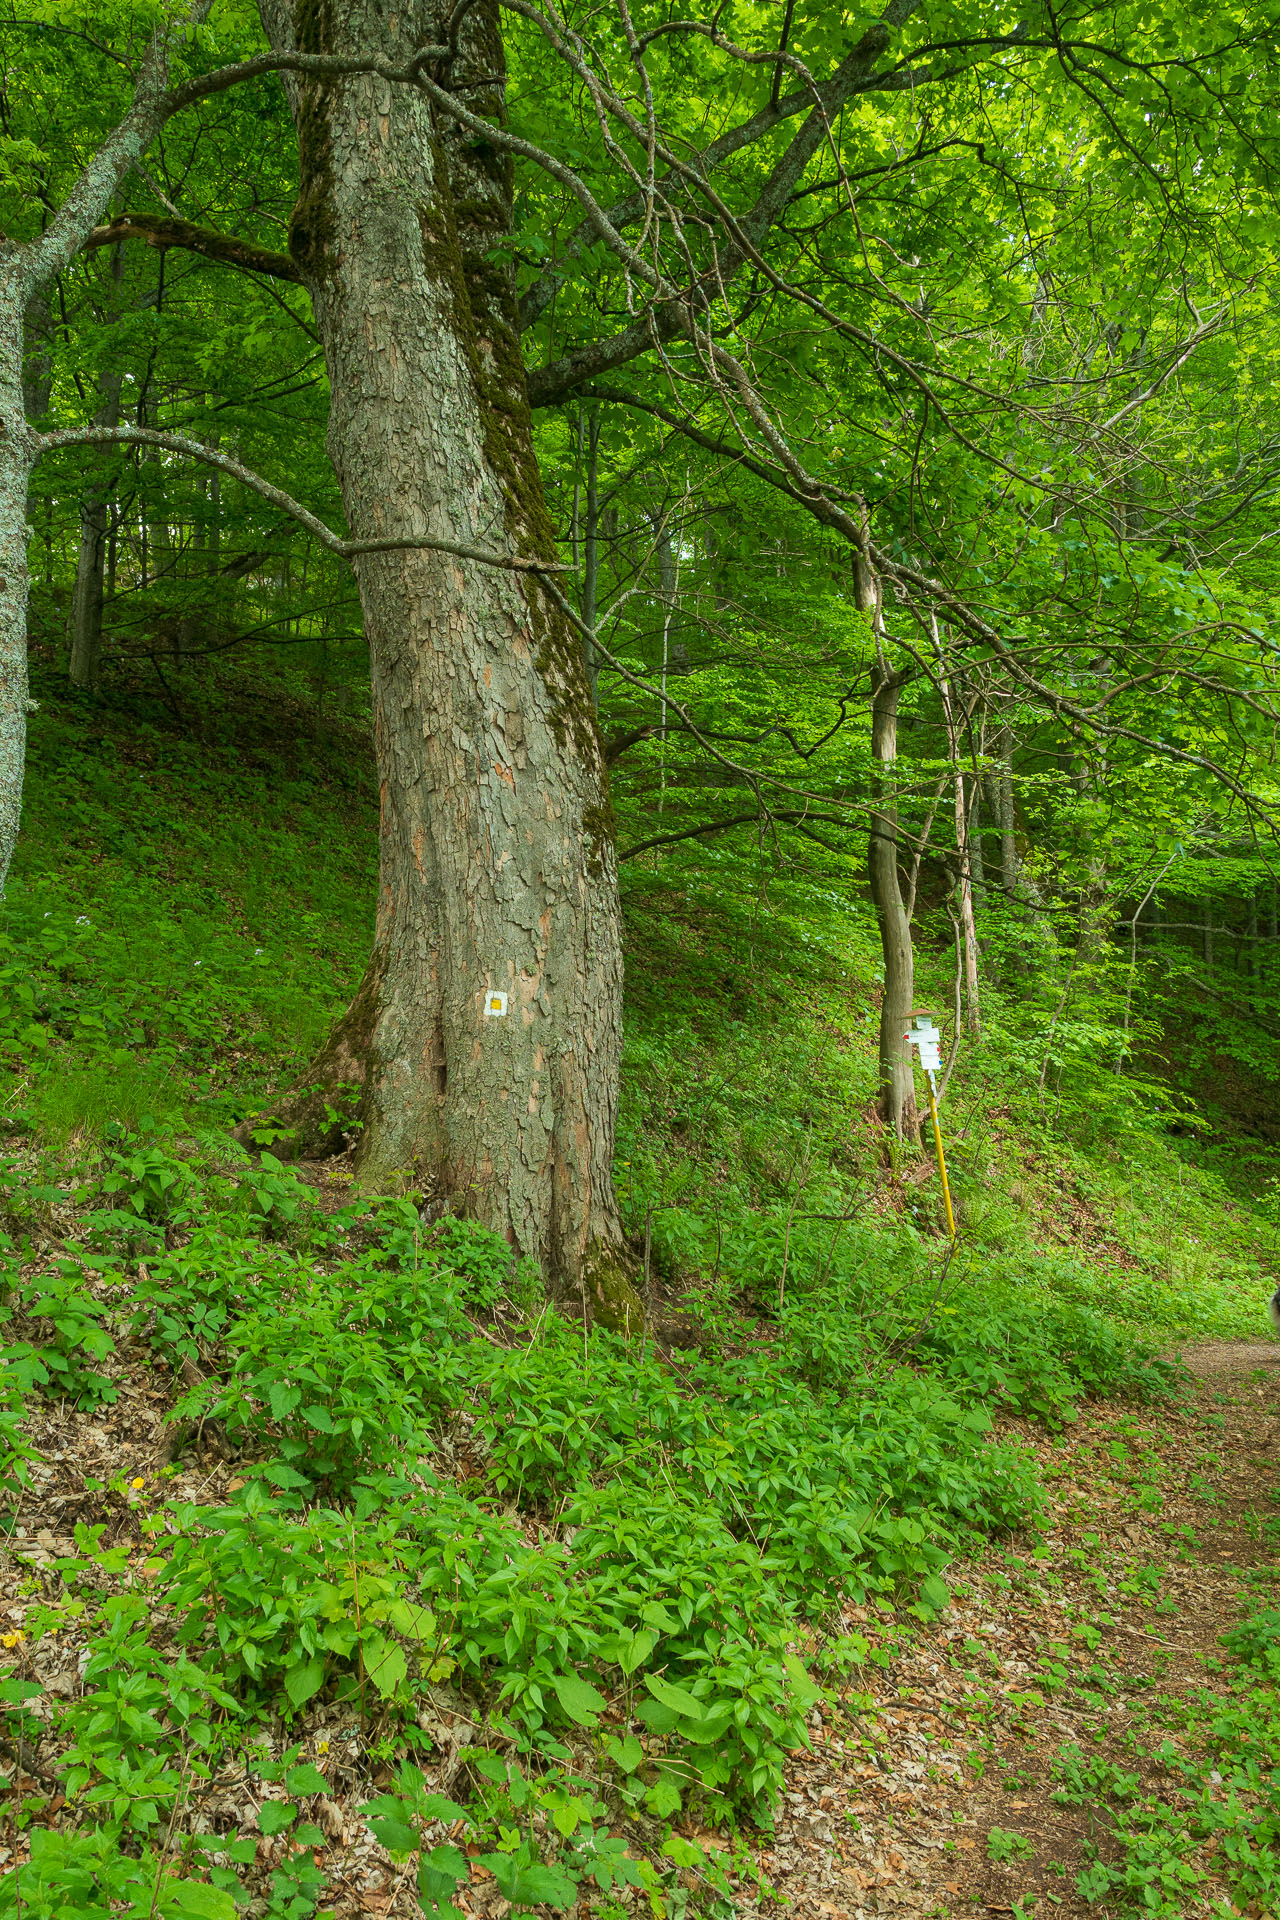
[
  {"x": 1045, "y": 1723},
  {"x": 1082, "y": 1660}
]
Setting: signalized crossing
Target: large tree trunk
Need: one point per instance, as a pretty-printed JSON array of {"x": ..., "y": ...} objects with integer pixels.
[{"x": 497, "y": 863}]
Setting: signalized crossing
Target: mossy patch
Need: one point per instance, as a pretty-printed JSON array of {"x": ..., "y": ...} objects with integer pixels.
[
  {"x": 614, "y": 1302},
  {"x": 311, "y": 225}
]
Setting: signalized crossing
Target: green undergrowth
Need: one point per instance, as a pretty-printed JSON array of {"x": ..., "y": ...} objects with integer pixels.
[
  {"x": 624, "y": 1562},
  {"x": 184, "y": 918},
  {"x": 1216, "y": 1817}
]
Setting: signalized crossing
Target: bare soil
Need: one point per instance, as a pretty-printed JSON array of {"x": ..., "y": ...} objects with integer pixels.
[{"x": 1156, "y": 1519}]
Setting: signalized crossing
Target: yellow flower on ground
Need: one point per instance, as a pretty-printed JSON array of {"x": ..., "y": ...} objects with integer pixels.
[
  {"x": 137, "y": 1483},
  {"x": 12, "y": 1639},
  {"x": 322, "y": 1746}
]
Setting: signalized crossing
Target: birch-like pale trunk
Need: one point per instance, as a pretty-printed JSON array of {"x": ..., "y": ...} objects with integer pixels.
[
  {"x": 26, "y": 271},
  {"x": 965, "y": 802},
  {"x": 15, "y": 467},
  {"x": 497, "y": 862},
  {"x": 897, "y": 1080}
]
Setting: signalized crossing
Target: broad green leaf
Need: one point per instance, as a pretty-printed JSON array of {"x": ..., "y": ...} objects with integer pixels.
[
  {"x": 275, "y": 1815},
  {"x": 196, "y": 1900},
  {"x": 676, "y": 1698},
  {"x": 628, "y": 1754},
  {"x": 385, "y": 1664},
  {"x": 394, "y": 1833},
  {"x": 304, "y": 1680},
  {"x": 306, "y": 1779},
  {"x": 581, "y": 1701}
]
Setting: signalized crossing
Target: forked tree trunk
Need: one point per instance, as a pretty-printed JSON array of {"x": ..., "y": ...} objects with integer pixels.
[{"x": 497, "y": 873}]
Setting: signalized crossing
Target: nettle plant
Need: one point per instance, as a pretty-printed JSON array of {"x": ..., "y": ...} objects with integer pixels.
[{"x": 57, "y": 1305}]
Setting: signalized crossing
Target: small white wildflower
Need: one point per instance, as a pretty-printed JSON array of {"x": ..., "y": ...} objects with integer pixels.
[
  {"x": 199, "y": 963},
  {"x": 48, "y": 916},
  {"x": 257, "y": 951},
  {"x": 82, "y": 920}
]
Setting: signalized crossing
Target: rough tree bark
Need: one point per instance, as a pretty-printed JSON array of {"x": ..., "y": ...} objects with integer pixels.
[{"x": 497, "y": 861}]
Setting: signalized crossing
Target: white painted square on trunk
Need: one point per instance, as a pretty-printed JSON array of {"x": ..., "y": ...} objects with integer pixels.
[{"x": 495, "y": 1006}]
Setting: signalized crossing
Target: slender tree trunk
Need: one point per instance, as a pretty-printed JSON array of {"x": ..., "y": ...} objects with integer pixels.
[
  {"x": 591, "y": 543},
  {"x": 897, "y": 1084},
  {"x": 498, "y": 874},
  {"x": 1008, "y": 844},
  {"x": 84, "y": 628},
  {"x": 968, "y": 930},
  {"x": 965, "y": 801},
  {"x": 977, "y": 860},
  {"x": 14, "y": 580}
]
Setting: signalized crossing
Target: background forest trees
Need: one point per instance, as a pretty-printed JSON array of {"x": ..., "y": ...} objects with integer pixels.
[{"x": 902, "y": 404}]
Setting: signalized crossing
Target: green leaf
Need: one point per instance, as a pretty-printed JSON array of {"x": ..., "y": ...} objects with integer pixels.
[
  {"x": 283, "y": 1399},
  {"x": 305, "y": 1679},
  {"x": 195, "y": 1898},
  {"x": 673, "y": 1697},
  {"x": 276, "y": 1815},
  {"x": 582, "y": 1702},
  {"x": 935, "y": 1593},
  {"x": 13, "y": 1692},
  {"x": 306, "y": 1779},
  {"x": 627, "y": 1754},
  {"x": 804, "y": 1688},
  {"x": 394, "y": 1833},
  {"x": 434, "y": 1806},
  {"x": 530, "y": 1886},
  {"x": 439, "y": 1873},
  {"x": 663, "y": 1797},
  {"x": 415, "y": 1623},
  {"x": 385, "y": 1664}
]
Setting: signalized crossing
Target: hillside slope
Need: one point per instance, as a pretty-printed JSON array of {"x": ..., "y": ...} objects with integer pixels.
[{"x": 337, "y": 1551}]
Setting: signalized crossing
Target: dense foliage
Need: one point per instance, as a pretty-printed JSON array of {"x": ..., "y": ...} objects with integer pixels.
[{"x": 984, "y": 405}]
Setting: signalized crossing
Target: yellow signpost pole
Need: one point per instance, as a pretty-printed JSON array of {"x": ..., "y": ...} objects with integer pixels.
[{"x": 942, "y": 1158}]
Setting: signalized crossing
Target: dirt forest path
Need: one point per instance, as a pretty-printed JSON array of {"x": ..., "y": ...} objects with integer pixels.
[{"x": 1085, "y": 1660}]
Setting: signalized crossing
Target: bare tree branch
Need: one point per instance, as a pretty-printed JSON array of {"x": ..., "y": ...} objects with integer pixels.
[{"x": 334, "y": 542}]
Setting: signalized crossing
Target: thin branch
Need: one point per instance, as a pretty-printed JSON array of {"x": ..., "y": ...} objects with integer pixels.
[{"x": 334, "y": 542}]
